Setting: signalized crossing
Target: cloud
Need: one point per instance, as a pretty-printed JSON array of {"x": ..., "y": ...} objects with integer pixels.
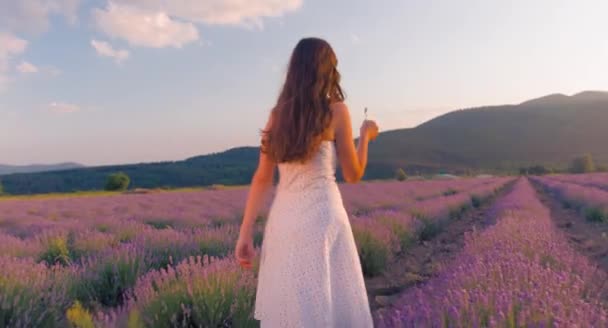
[
  {"x": 171, "y": 23},
  {"x": 105, "y": 49},
  {"x": 63, "y": 108},
  {"x": 221, "y": 12},
  {"x": 145, "y": 28},
  {"x": 53, "y": 71},
  {"x": 27, "y": 67},
  {"x": 33, "y": 15},
  {"x": 355, "y": 39},
  {"x": 10, "y": 46}
]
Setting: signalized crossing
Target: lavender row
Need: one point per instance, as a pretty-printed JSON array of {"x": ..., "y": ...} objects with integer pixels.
[
  {"x": 197, "y": 292},
  {"x": 590, "y": 201},
  {"x": 382, "y": 234},
  {"x": 184, "y": 210},
  {"x": 597, "y": 180},
  {"x": 519, "y": 273},
  {"x": 365, "y": 198},
  {"x": 91, "y": 269}
]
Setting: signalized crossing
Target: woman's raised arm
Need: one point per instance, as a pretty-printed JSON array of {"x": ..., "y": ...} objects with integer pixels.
[{"x": 353, "y": 161}]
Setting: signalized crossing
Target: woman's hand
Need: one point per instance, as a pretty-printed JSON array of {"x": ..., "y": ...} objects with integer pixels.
[
  {"x": 369, "y": 129},
  {"x": 244, "y": 251}
]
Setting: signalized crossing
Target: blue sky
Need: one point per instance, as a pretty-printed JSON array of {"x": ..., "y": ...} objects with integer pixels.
[{"x": 105, "y": 82}]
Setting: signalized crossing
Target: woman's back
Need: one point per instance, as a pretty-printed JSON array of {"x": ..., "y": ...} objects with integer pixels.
[{"x": 318, "y": 172}]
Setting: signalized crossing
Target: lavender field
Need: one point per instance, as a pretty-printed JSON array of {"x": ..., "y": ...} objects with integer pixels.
[{"x": 164, "y": 259}]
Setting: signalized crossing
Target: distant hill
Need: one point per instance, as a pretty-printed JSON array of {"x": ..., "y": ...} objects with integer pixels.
[
  {"x": 9, "y": 169},
  {"x": 234, "y": 166},
  {"x": 550, "y": 130}
]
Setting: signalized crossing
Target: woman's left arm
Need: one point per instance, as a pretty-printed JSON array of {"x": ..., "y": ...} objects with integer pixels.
[{"x": 261, "y": 184}]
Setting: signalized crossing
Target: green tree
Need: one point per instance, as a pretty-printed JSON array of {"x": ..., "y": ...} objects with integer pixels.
[
  {"x": 583, "y": 164},
  {"x": 400, "y": 175},
  {"x": 1, "y": 189},
  {"x": 117, "y": 182},
  {"x": 538, "y": 170}
]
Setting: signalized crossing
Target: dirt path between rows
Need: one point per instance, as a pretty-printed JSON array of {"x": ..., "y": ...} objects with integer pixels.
[
  {"x": 588, "y": 238},
  {"x": 423, "y": 260}
]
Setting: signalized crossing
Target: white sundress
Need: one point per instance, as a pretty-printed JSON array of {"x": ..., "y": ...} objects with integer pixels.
[{"x": 310, "y": 273}]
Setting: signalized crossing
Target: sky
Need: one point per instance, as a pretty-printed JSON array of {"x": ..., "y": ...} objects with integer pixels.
[{"x": 125, "y": 81}]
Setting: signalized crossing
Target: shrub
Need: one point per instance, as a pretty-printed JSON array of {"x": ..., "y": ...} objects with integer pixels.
[
  {"x": 78, "y": 317},
  {"x": 595, "y": 214},
  {"x": 457, "y": 211},
  {"x": 159, "y": 224},
  {"x": 583, "y": 164},
  {"x": 31, "y": 295},
  {"x": 400, "y": 228},
  {"x": 429, "y": 229},
  {"x": 477, "y": 201},
  {"x": 103, "y": 227},
  {"x": 56, "y": 252},
  {"x": 400, "y": 175},
  {"x": 117, "y": 182},
  {"x": 450, "y": 192},
  {"x": 373, "y": 253},
  {"x": 134, "y": 319},
  {"x": 105, "y": 280},
  {"x": 538, "y": 170},
  {"x": 198, "y": 292},
  {"x": 216, "y": 247},
  {"x": 405, "y": 236},
  {"x": 217, "y": 242}
]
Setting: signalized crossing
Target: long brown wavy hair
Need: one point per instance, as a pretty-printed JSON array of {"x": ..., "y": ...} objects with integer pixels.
[{"x": 302, "y": 112}]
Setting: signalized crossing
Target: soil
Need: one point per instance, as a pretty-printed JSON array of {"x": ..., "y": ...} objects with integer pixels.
[{"x": 423, "y": 260}]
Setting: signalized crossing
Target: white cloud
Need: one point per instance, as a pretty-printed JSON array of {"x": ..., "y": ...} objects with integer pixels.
[
  {"x": 10, "y": 46},
  {"x": 33, "y": 15},
  {"x": 63, "y": 108},
  {"x": 144, "y": 28},
  {"x": 52, "y": 70},
  {"x": 105, "y": 49},
  {"x": 220, "y": 12},
  {"x": 170, "y": 23},
  {"x": 27, "y": 67}
]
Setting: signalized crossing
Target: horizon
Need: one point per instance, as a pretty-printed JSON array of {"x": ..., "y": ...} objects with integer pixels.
[
  {"x": 246, "y": 146},
  {"x": 79, "y": 83}
]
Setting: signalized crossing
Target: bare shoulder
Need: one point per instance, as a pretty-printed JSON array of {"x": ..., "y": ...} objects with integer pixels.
[
  {"x": 339, "y": 108},
  {"x": 340, "y": 112}
]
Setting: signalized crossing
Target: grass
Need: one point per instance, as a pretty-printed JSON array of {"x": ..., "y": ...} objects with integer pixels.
[
  {"x": 373, "y": 253},
  {"x": 595, "y": 214},
  {"x": 160, "y": 224}
]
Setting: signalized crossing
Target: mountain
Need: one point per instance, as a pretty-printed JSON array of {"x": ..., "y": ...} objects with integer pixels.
[
  {"x": 9, "y": 169},
  {"x": 550, "y": 130},
  {"x": 234, "y": 166}
]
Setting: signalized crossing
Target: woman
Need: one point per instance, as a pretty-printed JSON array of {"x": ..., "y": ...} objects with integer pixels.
[{"x": 310, "y": 273}]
